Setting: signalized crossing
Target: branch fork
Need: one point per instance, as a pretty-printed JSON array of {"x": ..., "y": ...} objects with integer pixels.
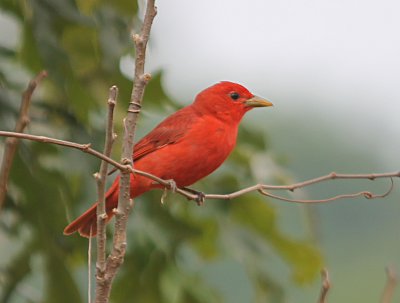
[{"x": 108, "y": 268}]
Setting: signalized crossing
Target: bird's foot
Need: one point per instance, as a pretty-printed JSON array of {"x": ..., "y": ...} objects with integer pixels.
[
  {"x": 201, "y": 197},
  {"x": 172, "y": 185}
]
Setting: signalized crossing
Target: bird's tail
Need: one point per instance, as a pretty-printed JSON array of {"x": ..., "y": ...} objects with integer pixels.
[{"x": 86, "y": 224}]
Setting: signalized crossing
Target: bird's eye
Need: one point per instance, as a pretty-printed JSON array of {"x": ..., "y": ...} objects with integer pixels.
[{"x": 234, "y": 96}]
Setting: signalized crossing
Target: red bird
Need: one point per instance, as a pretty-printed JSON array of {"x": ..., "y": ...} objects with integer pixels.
[{"x": 185, "y": 147}]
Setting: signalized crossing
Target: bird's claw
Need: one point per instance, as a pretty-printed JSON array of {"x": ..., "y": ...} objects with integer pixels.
[
  {"x": 172, "y": 185},
  {"x": 200, "y": 196}
]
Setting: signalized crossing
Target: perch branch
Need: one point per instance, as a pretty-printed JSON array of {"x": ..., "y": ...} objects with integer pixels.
[
  {"x": 258, "y": 187},
  {"x": 262, "y": 188},
  {"x": 365, "y": 194},
  {"x": 12, "y": 143},
  {"x": 87, "y": 149},
  {"x": 101, "y": 182},
  {"x": 82, "y": 147}
]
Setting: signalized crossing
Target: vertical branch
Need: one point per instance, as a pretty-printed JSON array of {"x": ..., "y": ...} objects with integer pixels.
[
  {"x": 116, "y": 257},
  {"x": 12, "y": 143},
  {"x": 140, "y": 81},
  {"x": 326, "y": 285},
  {"x": 101, "y": 182}
]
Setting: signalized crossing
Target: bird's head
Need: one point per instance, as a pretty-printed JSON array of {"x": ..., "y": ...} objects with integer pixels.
[{"x": 228, "y": 101}]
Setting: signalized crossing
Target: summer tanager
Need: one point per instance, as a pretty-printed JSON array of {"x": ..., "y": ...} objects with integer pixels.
[{"x": 185, "y": 147}]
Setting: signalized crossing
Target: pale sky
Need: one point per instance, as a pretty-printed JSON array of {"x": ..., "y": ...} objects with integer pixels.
[
  {"x": 315, "y": 47},
  {"x": 338, "y": 60}
]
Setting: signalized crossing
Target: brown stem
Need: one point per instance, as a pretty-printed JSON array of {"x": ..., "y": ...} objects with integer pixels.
[
  {"x": 12, "y": 143},
  {"x": 262, "y": 188},
  {"x": 87, "y": 149},
  {"x": 125, "y": 204},
  {"x": 101, "y": 182}
]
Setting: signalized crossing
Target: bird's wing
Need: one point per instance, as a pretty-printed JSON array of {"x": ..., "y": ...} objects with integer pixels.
[{"x": 170, "y": 131}]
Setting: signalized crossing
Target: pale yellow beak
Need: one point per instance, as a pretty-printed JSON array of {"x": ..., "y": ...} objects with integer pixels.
[{"x": 256, "y": 101}]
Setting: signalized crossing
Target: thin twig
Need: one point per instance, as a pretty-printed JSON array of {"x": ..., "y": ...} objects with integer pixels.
[
  {"x": 325, "y": 286},
  {"x": 390, "y": 286},
  {"x": 87, "y": 149},
  {"x": 365, "y": 194},
  {"x": 101, "y": 183},
  {"x": 293, "y": 187},
  {"x": 12, "y": 143},
  {"x": 82, "y": 147},
  {"x": 261, "y": 188},
  {"x": 258, "y": 187}
]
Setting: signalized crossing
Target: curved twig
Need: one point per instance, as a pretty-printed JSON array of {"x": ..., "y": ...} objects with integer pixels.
[
  {"x": 12, "y": 143},
  {"x": 365, "y": 194}
]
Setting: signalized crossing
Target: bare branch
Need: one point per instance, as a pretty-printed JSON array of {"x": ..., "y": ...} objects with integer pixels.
[
  {"x": 87, "y": 149},
  {"x": 12, "y": 143},
  {"x": 82, "y": 147},
  {"x": 101, "y": 182},
  {"x": 325, "y": 286},
  {"x": 391, "y": 283},
  {"x": 140, "y": 81},
  {"x": 365, "y": 194},
  {"x": 262, "y": 188},
  {"x": 125, "y": 203}
]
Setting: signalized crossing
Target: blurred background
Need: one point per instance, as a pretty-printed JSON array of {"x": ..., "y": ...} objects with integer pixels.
[{"x": 331, "y": 69}]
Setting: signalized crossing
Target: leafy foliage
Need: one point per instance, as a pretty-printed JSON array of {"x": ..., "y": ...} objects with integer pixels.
[{"x": 80, "y": 44}]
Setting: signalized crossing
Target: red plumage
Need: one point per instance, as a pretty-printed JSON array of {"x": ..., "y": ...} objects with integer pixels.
[{"x": 185, "y": 147}]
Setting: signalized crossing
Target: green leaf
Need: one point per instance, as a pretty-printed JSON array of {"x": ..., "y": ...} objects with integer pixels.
[
  {"x": 60, "y": 284},
  {"x": 81, "y": 43},
  {"x": 16, "y": 271},
  {"x": 305, "y": 259}
]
